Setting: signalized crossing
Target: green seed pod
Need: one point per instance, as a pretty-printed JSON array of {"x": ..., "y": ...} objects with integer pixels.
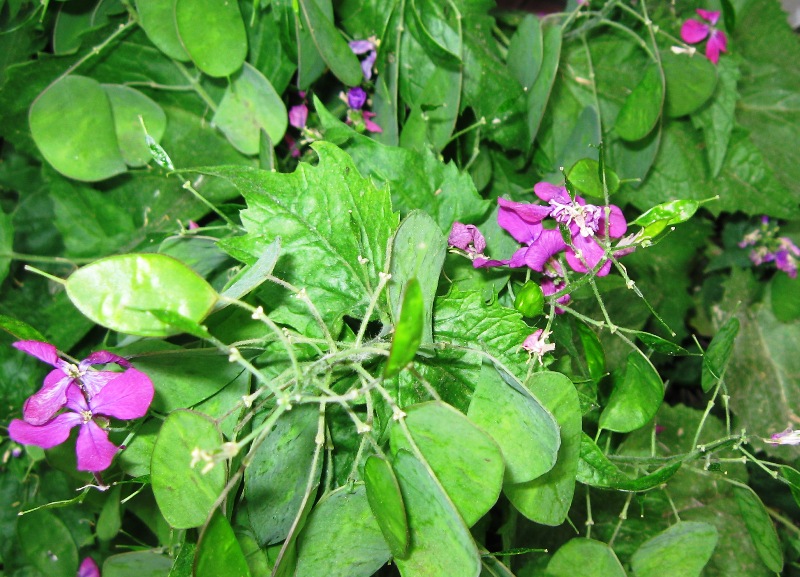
[{"x": 530, "y": 299}]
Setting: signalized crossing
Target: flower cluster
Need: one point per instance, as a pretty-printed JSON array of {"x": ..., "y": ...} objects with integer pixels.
[
  {"x": 90, "y": 397},
  {"x": 769, "y": 247},
  {"x": 356, "y": 96},
  {"x": 695, "y": 31}
]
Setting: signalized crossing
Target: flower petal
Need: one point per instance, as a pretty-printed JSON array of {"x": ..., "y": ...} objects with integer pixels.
[
  {"x": 42, "y": 405},
  {"x": 709, "y": 15},
  {"x": 103, "y": 358},
  {"x": 126, "y": 397},
  {"x": 616, "y": 222},
  {"x": 368, "y": 124},
  {"x": 95, "y": 452},
  {"x": 367, "y": 64},
  {"x": 356, "y": 98},
  {"x": 298, "y": 115},
  {"x": 45, "y": 436},
  {"x": 465, "y": 235},
  {"x": 521, "y": 220},
  {"x": 694, "y": 31},
  {"x": 43, "y": 351},
  {"x": 88, "y": 568},
  {"x": 543, "y": 248},
  {"x": 590, "y": 251},
  {"x": 361, "y": 46},
  {"x": 93, "y": 381},
  {"x": 548, "y": 192},
  {"x": 717, "y": 43}
]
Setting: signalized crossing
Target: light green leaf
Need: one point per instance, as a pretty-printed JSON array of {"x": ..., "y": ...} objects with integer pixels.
[
  {"x": 326, "y": 214},
  {"x": 218, "y": 553},
  {"x": 440, "y": 541},
  {"x": 253, "y": 275},
  {"x": 250, "y": 105},
  {"x": 137, "y": 564},
  {"x": 685, "y": 548},
  {"x": 157, "y": 17},
  {"x": 341, "y": 538},
  {"x": 117, "y": 292},
  {"x": 547, "y": 499},
  {"x": 78, "y": 106},
  {"x": 213, "y": 34},
  {"x": 783, "y": 294},
  {"x": 47, "y": 544},
  {"x": 418, "y": 252},
  {"x": 580, "y": 556},
  {"x": 408, "y": 330},
  {"x": 636, "y": 397},
  {"x": 6, "y": 244},
  {"x": 330, "y": 44},
  {"x": 760, "y": 527},
  {"x": 526, "y": 432},
  {"x": 690, "y": 82},
  {"x": 386, "y": 503},
  {"x": 127, "y": 105},
  {"x": 642, "y": 108},
  {"x": 585, "y": 176},
  {"x": 715, "y": 361},
  {"x": 466, "y": 461},
  {"x": 185, "y": 492},
  {"x": 275, "y": 482}
]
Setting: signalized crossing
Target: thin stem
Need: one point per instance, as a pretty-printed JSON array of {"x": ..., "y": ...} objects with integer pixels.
[
  {"x": 383, "y": 278},
  {"x": 48, "y": 259},
  {"x": 46, "y": 275},
  {"x": 195, "y": 83},
  {"x": 188, "y": 186}
]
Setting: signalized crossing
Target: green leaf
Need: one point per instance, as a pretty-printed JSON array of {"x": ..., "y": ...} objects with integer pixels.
[
  {"x": 185, "y": 493},
  {"x": 716, "y": 359},
  {"x": 525, "y": 51},
  {"x": 525, "y": 430},
  {"x": 250, "y": 105},
  {"x": 330, "y": 44},
  {"x": 47, "y": 544},
  {"x": 717, "y": 118},
  {"x": 783, "y": 294},
  {"x": 668, "y": 213},
  {"x": 792, "y": 476},
  {"x": 418, "y": 252},
  {"x": 440, "y": 541},
  {"x": 20, "y": 330},
  {"x": 341, "y": 537},
  {"x": 685, "y": 548},
  {"x": 78, "y": 106},
  {"x": 119, "y": 291},
  {"x": 596, "y": 470},
  {"x": 547, "y": 499},
  {"x": 586, "y": 557},
  {"x": 109, "y": 521},
  {"x": 636, "y": 397},
  {"x": 157, "y": 17},
  {"x": 466, "y": 461},
  {"x": 137, "y": 564},
  {"x": 760, "y": 527},
  {"x": 642, "y": 108},
  {"x": 659, "y": 345},
  {"x": 253, "y": 275},
  {"x": 218, "y": 552},
  {"x": 275, "y": 482},
  {"x": 354, "y": 226},
  {"x": 386, "y": 503},
  {"x": 128, "y": 105},
  {"x": 585, "y": 176},
  {"x": 539, "y": 94},
  {"x": 592, "y": 351},
  {"x": 408, "y": 331},
  {"x": 690, "y": 82},
  {"x": 430, "y": 28},
  {"x": 213, "y": 35},
  {"x": 6, "y": 244}
]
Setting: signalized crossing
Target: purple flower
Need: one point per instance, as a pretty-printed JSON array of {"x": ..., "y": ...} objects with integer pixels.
[
  {"x": 127, "y": 396},
  {"x": 298, "y": 115},
  {"x": 368, "y": 124},
  {"x": 537, "y": 346},
  {"x": 786, "y": 256},
  {"x": 369, "y": 48},
  {"x": 467, "y": 237},
  {"x": 88, "y": 568},
  {"x": 41, "y": 406},
  {"x": 694, "y": 31},
  {"x": 356, "y": 98},
  {"x": 787, "y": 437},
  {"x": 551, "y": 287}
]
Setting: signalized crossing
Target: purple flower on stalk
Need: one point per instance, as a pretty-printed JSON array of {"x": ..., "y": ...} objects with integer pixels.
[
  {"x": 695, "y": 31},
  {"x": 586, "y": 223},
  {"x": 126, "y": 396},
  {"x": 298, "y": 116},
  {"x": 356, "y": 98},
  {"x": 467, "y": 238},
  {"x": 787, "y": 437},
  {"x": 40, "y": 407},
  {"x": 88, "y": 568},
  {"x": 368, "y": 47}
]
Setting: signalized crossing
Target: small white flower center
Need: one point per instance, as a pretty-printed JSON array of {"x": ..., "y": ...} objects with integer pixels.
[
  {"x": 586, "y": 217},
  {"x": 86, "y": 415}
]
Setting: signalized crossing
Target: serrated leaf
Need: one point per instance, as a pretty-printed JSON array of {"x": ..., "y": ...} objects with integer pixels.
[
  {"x": 119, "y": 291},
  {"x": 324, "y": 214},
  {"x": 341, "y": 537},
  {"x": 547, "y": 499},
  {"x": 636, "y": 397},
  {"x": 466, "y": 460},
  {"x": 78, "y": 106},
  {"x": 250, "y": 105}
]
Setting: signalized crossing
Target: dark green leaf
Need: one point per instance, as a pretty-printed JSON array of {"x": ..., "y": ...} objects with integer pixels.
[
  {"x": 218, "y": 553},
  {"x": 659, "y": 345},
  {"x": 636, "y": 397},
  {"x": 592, "y": 350},
  {"x": 783, "y": 294},
  {"x": 20, "y": 330},
  {"x": 525, "y": 51},
  {"x": 184, "y": 490},
  {"x": 760, "y": 527},
  {"x": 119, "y": 291},
  {"x": 539, "y": 94},
  {"x": 6, "y": 244},
  {"x": 137, "y": 564},
  {"x": 213, "y": 35},
  {"x": 330, "y": 44},
  {"x": 642, "y": 108},
  {"x": 792, "y": 476},
  {"x": 408, "y": 331},
  {"x": 109, "y": 521},
  {"x": 715, "y": 361},
  {"x": 341, "y": 537},
  {"x": 386, "y": 503},
  {"x": 47, "y": 544},
  {"x": 690, "y": 82}
]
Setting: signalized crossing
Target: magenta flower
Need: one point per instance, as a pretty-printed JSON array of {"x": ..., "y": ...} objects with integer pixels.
[
  {"x": 551, "y": 287},
  {"x": 88, "y": 568},
  {"x": 40, "y": 407},
  {"x": 368, "y": 124},
  {"x": 787, "y": 437},
  {"x": 356, "y": 98},
  {"x": 467, "y": 237},
  {"x": 786, "y": 256},
  {"x": 298, "y": 115},
  {"x": 369, "y": 48},
  {"x": 695, "y": 31},
  {"x": 126, "y": 396},
  {"x": 537, "y": 346}
]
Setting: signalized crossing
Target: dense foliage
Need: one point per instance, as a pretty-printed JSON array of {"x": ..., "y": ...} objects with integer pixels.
[{"x": 399, "y": 286}]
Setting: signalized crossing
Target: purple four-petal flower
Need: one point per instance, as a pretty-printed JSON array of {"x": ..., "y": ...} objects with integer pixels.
[{"x": 695, "y": 31}]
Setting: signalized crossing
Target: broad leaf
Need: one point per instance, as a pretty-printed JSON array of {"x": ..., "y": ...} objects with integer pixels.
[
  {"x": 128, "y": 106},
  {"x": 408, "y": 331},
  {"x": 218, "y": 552},
  {"x": 213, "y": 35},
  {"x": 685, "y": 548},
  {"x": 386, "y": 503},
  {"x": 636, "y": 397},
  {"x": 642, "y": 108},
  {"x": 586, "y": 557},
  {"x": 759, "y": 525}
]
